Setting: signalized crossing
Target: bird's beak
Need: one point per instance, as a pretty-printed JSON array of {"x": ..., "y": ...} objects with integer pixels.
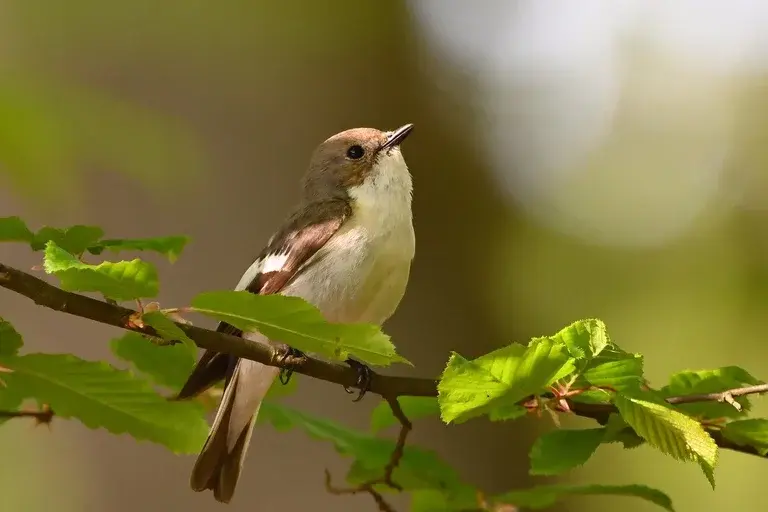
[{"x": 394, "y": 138}]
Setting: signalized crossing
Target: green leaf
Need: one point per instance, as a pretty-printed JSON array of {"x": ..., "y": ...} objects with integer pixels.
[
  {"x": 711, "y": 381},
  {"x": 168, "y": 246},
  {"x": 13, "y": 229},
  {"x": 10, "y": 339},
  {"x": 453, "y": 500},
  {"x": 500, "y": 378},
  {"x": 123, "y": 280},
  {"x": 166, "y": 328},
  {"x": 418, "y": 468},
  {"x": 294, "y": 321},
  {"x": 620, "y": 374},
  {"x": 74, "y": 240},
  {"x": 414, "y": 407},
  {"x": 10, "y": 398},
  {"x": 618, "y": 431},
  {"x": 547, "y": 495},
  {"x": 101, "y": 396},
  {"x": 585, "y": 339},
  {"x": 166, "y": 365},
  {"x": 752, "y": 432},
  {"x": 507, "y": 412},
  {"x": 561, "y": 450},
  {"x": 669, "y": 430}
]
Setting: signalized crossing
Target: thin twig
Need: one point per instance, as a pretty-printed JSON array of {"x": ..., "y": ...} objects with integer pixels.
[
  {"x": 42, "y": 417},
  {"x": 723, "y": 396},
  {"x": 389, "y": 469},
  {"x": 387, "y": 387}
]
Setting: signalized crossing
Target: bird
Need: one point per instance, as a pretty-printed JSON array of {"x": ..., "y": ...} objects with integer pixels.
[{"x": 346, "y": 248}]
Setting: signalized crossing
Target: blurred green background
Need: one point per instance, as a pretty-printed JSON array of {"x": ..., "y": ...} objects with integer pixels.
[{"x": 603, "y": 159}]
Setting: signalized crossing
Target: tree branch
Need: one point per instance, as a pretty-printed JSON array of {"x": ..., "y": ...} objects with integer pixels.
[
  {"x": 389, "y": 469},
  {"x": 50, "y": 296},
  {"x": 388, "y": 387}
]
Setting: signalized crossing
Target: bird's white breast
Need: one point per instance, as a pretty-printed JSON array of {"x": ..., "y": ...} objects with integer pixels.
[{"x": 362, "y": 271}]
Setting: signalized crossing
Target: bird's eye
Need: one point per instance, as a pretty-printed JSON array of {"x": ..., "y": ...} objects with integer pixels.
[{"x": 355, "y": 152}]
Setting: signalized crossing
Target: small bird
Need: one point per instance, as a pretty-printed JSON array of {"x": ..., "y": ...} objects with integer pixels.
[{"x": 347, "y": 249}]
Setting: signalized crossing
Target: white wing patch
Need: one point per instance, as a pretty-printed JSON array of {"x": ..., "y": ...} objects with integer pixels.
[{"x": 270, "y": 263}]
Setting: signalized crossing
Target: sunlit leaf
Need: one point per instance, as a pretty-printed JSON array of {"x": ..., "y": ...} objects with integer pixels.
[
  {"x": 122, "y": 280},
  {"x": 100, "y": 396},
  {"x": 585, "y": 339},
  {"x": 500, "y": 378},
  {"x": 294, "y": 321},
  {"x": 669, "y": 430}
]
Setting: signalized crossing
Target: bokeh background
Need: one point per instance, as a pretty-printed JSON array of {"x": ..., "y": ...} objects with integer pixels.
[{"x": 571, "y": 159}]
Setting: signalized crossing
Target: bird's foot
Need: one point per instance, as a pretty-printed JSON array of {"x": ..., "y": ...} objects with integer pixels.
[
  {"x": 288, "y": 359},
  {"x": 364, "y": 376}
]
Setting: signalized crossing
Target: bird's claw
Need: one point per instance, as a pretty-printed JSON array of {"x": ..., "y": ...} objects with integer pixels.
[
  {"x": 286, "y": 370},
  {"x": 364, "y": 376}
]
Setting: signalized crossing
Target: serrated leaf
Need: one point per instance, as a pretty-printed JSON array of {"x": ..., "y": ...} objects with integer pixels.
[
  {"x": 752, "y": 432},
  {"x": 561, "y": 450},
  {"x": 585, "y": 339},
  {"x": 668, "y": 430},
  {"x": 74, "y": 240},
  {"x": 123, "y": 280},
  {"x": 166, "y": 365},
  {"x": 500, "y": 378},
  {"x": 166, "y": 328},
  {"x": 13, "y": 229},
  {"x": 169, "y": 246},
  {"x": 414, "y": 407},
  {"x": 101, "y": 396},
  {"x": 711, "y": 381},
  {"x": 10, "y": 339},
  {"x": 547, "y": 495},
  {"x": 619, "y": 374},
  {"x": 418, "y": 468},
  {"x": 296, "y": 322}
]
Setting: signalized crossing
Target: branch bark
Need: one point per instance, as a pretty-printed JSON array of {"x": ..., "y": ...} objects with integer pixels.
[{"x": 388, "y": 387}]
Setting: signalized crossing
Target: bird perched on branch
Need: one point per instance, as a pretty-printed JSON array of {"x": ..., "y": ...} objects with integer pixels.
[{"x": 347, "y": 248}]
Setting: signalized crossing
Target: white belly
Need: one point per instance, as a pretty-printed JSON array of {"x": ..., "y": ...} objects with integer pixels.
[{"x": 361, "y": 275}]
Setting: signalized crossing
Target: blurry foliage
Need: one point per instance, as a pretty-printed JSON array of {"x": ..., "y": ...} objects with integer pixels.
[{"x": 51, "y": 133}]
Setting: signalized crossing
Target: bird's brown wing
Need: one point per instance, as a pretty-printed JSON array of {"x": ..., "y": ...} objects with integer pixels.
[{"x": 287, "y": 254}]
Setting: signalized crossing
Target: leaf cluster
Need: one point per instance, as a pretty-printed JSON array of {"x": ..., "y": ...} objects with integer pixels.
[{"x": 577, "y": 368}]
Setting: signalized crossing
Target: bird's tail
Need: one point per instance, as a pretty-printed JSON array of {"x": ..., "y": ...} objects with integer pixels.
[{"x": 220, "y": 461}]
